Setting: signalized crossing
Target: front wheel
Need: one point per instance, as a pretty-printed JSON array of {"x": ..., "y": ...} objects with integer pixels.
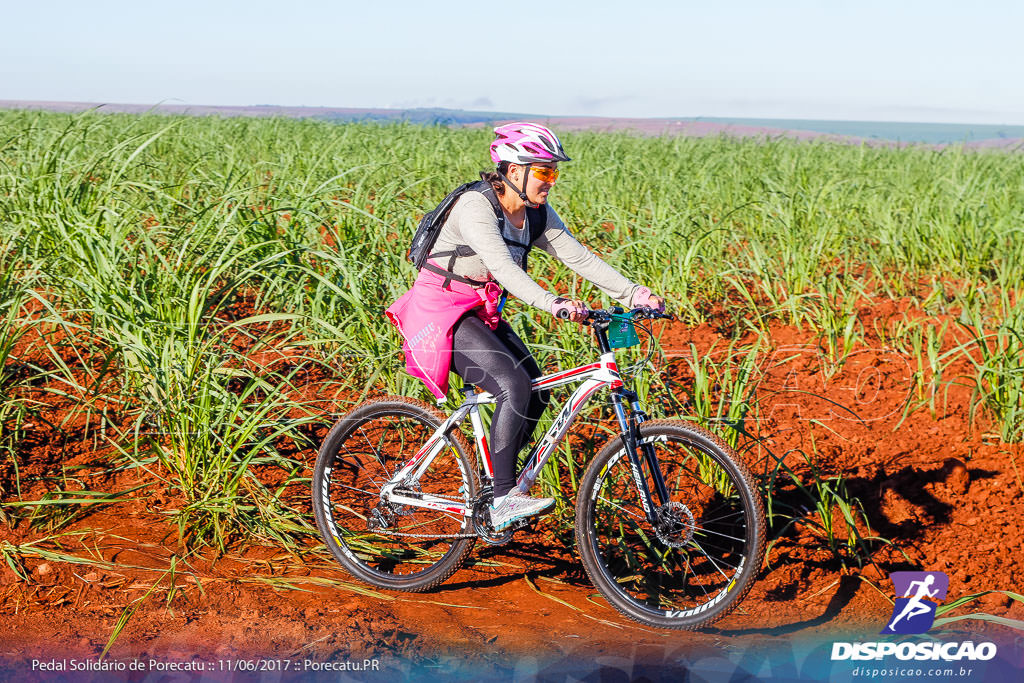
[
  {"x": 699, "y": 560},
  {"x": 390, "y": 545}
]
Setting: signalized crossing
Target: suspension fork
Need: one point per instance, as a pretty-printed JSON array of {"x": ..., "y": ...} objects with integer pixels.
[{"x": 630, "y": 436}]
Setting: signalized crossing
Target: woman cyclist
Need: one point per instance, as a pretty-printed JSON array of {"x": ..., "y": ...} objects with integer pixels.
[{"x": 451, "y": 317}]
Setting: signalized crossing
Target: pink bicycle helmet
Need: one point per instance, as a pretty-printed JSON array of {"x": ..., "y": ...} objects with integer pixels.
[{"x": 526, "y": 143}]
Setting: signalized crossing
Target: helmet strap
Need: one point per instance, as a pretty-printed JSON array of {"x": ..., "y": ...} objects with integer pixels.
[{"x": 522, "y": 192}]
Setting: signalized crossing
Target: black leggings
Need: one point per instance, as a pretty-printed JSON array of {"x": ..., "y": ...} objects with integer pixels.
[{"x": 498, "y": 362}]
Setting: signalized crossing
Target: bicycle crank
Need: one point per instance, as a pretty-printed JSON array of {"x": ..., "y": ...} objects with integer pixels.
[{"x": 482, "y": 521}]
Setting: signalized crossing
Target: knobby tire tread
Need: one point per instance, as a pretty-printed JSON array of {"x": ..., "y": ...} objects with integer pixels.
[
  {"x": 385, "y": 405},
  {"x": 583, "y": 532}
]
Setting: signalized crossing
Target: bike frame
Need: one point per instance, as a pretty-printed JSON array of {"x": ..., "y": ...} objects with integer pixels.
[{"x": 592, "y": 377}]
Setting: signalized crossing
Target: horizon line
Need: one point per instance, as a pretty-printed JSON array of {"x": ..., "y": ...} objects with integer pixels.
[
  {"x": 698, "y": 126},
  {"x": 4, "y": 103}
]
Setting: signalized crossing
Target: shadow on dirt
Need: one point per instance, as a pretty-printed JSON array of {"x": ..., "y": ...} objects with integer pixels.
[
  {"x": 898, "y": 505},
  {"x": 519, "y": 559},
  {"x": 848, "y": 587}
]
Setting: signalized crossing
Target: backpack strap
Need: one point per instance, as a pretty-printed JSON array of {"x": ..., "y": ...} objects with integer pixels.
[
  {"x": 536, "y": 217},
  {"x": 430, "y": 225},
  {"x": 536, "y": 222},
  {"x": 464, "y": 249},
  {"x": 449, "y": 275}
]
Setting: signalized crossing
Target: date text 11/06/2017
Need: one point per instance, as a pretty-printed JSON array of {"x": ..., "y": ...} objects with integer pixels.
[{"x": 254, "y": 665}]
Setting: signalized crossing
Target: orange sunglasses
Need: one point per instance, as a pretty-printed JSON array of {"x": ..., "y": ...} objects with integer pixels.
[{"x": 544, "y": 174}]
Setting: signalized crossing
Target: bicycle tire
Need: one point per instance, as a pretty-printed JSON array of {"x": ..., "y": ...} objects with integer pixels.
[
  {"x": 359, "y": 454},
  {"x": 686, "y": 575}
]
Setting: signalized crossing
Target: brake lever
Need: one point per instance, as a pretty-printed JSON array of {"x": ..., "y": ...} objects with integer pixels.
[{"x": 654, "y": 314}]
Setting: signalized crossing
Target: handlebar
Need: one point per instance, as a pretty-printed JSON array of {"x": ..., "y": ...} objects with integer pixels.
[{"x": 605, "y": 314}]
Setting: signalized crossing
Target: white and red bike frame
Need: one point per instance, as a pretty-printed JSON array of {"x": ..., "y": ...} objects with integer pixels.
[{"x": 592, "y": 377}]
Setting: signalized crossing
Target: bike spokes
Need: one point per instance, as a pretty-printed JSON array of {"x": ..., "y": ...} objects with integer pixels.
[
  {"x": 681, "y": 571},
  {"x": 389, "y": 543}
]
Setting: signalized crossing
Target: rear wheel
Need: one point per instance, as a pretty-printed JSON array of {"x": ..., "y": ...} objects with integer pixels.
[
  {"x": 391, "y": 545},
  {"x": 698, "y": 562}
]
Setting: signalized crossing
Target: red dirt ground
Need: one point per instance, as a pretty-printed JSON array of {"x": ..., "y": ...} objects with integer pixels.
[{"x": 944, "y": 492}]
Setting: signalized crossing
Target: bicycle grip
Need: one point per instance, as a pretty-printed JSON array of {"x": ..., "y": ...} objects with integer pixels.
[{"x": 564, "y": 314}]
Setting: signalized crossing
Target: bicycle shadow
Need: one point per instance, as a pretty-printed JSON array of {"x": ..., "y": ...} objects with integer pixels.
[
  {"x": 501, "y": 565},
  {"x": 899, "y": 507},
  {"x": 848, "y": 588}
]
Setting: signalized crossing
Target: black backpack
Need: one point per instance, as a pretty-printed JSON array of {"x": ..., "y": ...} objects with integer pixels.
[{"x": 431, "y": 224}]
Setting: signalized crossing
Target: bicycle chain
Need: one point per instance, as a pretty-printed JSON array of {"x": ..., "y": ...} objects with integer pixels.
[{"x": 384, "y": 532}]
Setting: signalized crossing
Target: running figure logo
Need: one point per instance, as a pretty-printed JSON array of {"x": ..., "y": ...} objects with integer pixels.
[{"x": 918, "y": 594}]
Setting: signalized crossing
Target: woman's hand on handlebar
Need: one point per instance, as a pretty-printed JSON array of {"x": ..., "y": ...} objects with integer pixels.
[
  {"x": 568, "y": 309},
  {"x": 644, "y": 297}
]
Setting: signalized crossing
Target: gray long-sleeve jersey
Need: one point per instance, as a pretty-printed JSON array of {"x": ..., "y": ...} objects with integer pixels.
[{"x": 472, "y": 222}]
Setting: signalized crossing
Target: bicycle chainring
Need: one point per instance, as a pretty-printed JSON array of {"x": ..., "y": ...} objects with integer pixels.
[
  {"x": 482, "y": 520},
  {"x": 675, "y": 525}
]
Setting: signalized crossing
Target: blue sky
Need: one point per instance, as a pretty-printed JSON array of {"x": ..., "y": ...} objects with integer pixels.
[{"x": 869, "y": 60}]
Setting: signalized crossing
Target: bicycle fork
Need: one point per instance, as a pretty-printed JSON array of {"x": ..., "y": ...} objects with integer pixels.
[{"x": 630, "y": 435}]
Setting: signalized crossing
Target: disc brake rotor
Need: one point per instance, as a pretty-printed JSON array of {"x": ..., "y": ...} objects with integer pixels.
[{"x": 675, "y": 525}]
